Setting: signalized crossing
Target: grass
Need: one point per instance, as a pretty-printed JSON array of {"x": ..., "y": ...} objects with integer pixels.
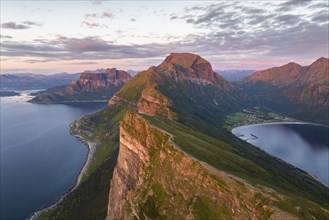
[
  {"x": 247, "y": 162},
  {"x": 106, "y": 138},
  {"x": 198, "y": 130},
  {"x": 202, "y": 205},
  {"x": 172, "y": 186},
  {"x": 133, "y": 89}
]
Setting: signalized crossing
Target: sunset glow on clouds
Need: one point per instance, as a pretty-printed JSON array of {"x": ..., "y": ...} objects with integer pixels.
[{"x": 57, "y": 36}]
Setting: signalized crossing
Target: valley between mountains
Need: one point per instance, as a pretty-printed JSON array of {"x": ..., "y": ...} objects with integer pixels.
[{"x": 163, "y": 152}]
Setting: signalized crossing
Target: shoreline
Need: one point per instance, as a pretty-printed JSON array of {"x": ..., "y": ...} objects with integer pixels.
[
  {"x": 91, "y": 151},
  {"x": 91, "y": 147},
  {"x": 284, "y": 122}
]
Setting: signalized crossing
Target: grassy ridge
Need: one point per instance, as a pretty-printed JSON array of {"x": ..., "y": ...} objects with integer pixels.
[
  {"x": 244, "y": 160},
  {"x": 182, "y": 185}
]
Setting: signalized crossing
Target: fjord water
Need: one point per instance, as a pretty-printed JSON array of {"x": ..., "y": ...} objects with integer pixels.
[
  {"x": 305, "y": 146},
  {"x": 40, "y": 160}
]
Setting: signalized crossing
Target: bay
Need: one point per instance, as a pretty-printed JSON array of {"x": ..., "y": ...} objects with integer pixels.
[{"x": 303, "y": 145}]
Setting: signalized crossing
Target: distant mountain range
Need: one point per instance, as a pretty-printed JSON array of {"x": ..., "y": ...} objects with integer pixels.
[
  {"x": 132, "y": 72},
  {"x": 27, "y": 81},
  {"x": 163, "y": 153},
  {"x": 235, "y": 75},
  {"x": 290, "y": 88}
]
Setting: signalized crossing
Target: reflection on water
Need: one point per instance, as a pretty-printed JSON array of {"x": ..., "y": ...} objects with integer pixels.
[
  {"x": 40, "y": 160},
  {"x": 305, "y": 146}
]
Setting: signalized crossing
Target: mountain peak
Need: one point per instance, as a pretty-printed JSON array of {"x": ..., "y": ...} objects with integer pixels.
[
  {"x": 317, "y": 72},
  {"x": 185, "y": 60},
  {"x": 291, "y": 64},
  {"x": 322, "y": 59},
  {"x": 321, "y": 62},
  {"x": 155, "y": 90},
  {"x": 189, "y": 67},
  {"x": 277, "y": 76}
]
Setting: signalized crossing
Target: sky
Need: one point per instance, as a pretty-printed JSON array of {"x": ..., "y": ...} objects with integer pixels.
[{"x": 72, "y": 36}]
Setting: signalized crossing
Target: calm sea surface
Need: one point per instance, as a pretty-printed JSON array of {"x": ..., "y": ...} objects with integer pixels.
[
  {"x": 40, "y": 160},
  {"x": 305, "y": 146}
]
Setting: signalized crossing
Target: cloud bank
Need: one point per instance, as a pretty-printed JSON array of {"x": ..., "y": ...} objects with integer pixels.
[{"x": 233, "y": 32}]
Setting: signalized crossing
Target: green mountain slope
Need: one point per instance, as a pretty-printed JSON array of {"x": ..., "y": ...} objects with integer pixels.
[{"x": 177, "y": 161}]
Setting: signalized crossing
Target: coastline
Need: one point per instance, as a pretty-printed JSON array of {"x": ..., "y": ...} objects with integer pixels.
[
  {"x": 278, "y": 122},
  {"x": 283, "y": 122},
  {"x": 91, "y": 151},
  {"x": 91, "y": 147}
]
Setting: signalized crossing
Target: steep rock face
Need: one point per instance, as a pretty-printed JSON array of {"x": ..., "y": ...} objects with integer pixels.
[
  {"x": 153, "y": 103},
  {"x": 312, "y": 87},
  {"x": 317, "y": 72},
  {"x": 153, "y": 179},
  {"x": 315, "y": 95},
  {"x": 133, "y": 157},
  {"x": 131, "y": 160},
  {"x": 90, "y": 81}
]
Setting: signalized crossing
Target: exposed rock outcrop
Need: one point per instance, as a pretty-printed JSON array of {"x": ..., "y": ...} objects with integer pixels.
[
  {"x": 153, "y": 179},
  {"x": 153, "y": 103}
]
